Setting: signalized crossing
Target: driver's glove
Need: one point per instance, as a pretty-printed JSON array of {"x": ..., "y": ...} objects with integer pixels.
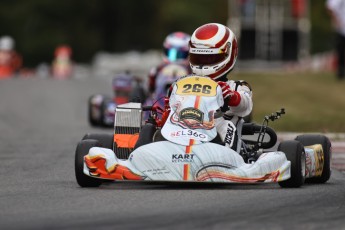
[{"x": 232, "y": 97}]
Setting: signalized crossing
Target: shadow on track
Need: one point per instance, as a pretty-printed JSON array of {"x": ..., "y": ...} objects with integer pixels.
[{"x": 157, "y": 185}]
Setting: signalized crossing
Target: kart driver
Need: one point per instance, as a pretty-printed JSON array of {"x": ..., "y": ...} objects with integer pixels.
[
  {"x": 10, "y": 60},
  {"x": 213, "y": 52},
  {"x": 175, "y": 48}
]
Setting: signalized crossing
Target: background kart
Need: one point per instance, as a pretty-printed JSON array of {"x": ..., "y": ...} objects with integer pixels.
[
  {"x": 308, "y": 156},
  {"x": 166, "y": 75},
  {"x": 101, "y": 108}
]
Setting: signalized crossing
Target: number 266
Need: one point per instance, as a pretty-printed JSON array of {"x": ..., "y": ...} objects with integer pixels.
[{"x": 196, "y": 88}]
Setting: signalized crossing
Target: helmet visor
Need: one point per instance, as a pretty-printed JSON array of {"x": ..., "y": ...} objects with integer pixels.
[
  {"x": 206, "y": 59},
  {"x": 174, "y": 54}
]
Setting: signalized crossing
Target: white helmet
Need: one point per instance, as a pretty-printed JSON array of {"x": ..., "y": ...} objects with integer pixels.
[
  {"x": 6, "y": 43},
  {"x": 213, "y": 50},
  {"x": 176, "y": 46}
]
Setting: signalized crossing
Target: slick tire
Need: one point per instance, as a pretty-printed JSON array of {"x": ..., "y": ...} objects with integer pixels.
[
  {"x": 104, "y": 140},
  {"x": 294, "y": 152},
  {"x": 92, "y": 120},
  {"x": 146, "y": 135},
  {"x": 138, "y": 95},
  {"x": 104, "y": 106},
  {"x": 83, "y": 148},
  {"x": 311, "y": 139}
]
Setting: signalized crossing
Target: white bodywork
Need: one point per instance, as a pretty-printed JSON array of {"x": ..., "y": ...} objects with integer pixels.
[{"x": 209, "y": 162}]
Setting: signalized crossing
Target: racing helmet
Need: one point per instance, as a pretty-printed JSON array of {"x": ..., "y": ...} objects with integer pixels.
[
  {"x": 213, "y": 50},
  {"x": 6, "y": 43},
  {"x": 63, "y": 50},
  {"x": 176, "y": 47}
]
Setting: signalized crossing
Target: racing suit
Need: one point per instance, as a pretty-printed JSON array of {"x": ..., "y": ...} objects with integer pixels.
[
  {"x": 10, "y": 63},
  {"x": 229, "y": 125}
]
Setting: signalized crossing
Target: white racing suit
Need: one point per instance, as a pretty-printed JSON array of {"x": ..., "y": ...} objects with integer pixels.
[{"x": 229, "y": 129}]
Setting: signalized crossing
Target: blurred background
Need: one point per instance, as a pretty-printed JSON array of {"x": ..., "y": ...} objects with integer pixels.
[
  {"x": 278, "y": 30},
  {"x": 290, "y": 38}
]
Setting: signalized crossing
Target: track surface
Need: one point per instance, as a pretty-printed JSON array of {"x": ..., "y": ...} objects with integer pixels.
[{"x": 41, "y": 122}]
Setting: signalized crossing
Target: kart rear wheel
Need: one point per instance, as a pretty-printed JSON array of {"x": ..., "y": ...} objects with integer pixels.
[
  {"x": 138, "y": 95},
  {"x": 83, "y": 148},
  {"x": 294, "y": 152},
  {"x": 104, "y": 107},
  {"x": 146, "y": 135},
  {"x": 104, "y": 140},
  {"x": 312, "y": 139}
]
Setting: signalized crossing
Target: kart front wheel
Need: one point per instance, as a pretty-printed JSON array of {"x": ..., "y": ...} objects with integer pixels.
[
  {"x": 312, "y": 139},
  {"x": 295, "y": 153},
  {"x": 83, "y": 148},
  {"x": 105, "y": 140}
]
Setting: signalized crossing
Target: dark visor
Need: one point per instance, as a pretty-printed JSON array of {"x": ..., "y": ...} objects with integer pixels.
[{"x": 206, "y": 59}]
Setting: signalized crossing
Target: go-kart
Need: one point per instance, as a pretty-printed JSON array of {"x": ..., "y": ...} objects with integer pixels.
[
  {"x": 101, "y": 107},
  {"x": 137, "y": 151}
]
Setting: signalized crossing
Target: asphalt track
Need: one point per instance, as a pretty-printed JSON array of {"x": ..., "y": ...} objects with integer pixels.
[{"x": 41, "y": 121}]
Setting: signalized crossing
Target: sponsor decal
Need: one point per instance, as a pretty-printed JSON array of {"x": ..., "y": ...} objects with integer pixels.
[
  {"x": 319, "y": 158},
  {"x": 188, "y": 133},
  {"x": 314, "y": 160},
  {"x": 191, "y": 114},
  {"x": 308, "y": 165},
  {"x": 230, "y": 134},
  {"x": 192, "y": 118},
  {"x": 182, "y": 158},
  {"x": 157, "y": 171},
  {"x": 204, "y": 51}
]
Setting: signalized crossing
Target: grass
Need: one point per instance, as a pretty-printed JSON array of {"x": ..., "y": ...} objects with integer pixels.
[{"x": 314, "y": 102}]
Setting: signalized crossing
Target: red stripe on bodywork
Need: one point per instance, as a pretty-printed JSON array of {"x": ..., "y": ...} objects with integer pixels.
[
  {"x": 185, "y": 171},
  {"x": 191, "y": 143}
]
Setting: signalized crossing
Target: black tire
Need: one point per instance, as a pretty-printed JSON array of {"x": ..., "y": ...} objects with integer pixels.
[
  {"x": 83, "y": 148},
  {"x": 312, "y": 139},
  {"x": 104, "y": 107},
  {"x": 104, "y": 140},
  {"x": 92, "y": 121},
  {"x": 138, "y": 95},
  {"x": 146, "y": 135},
  {"x": 294, "y": 152}
]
